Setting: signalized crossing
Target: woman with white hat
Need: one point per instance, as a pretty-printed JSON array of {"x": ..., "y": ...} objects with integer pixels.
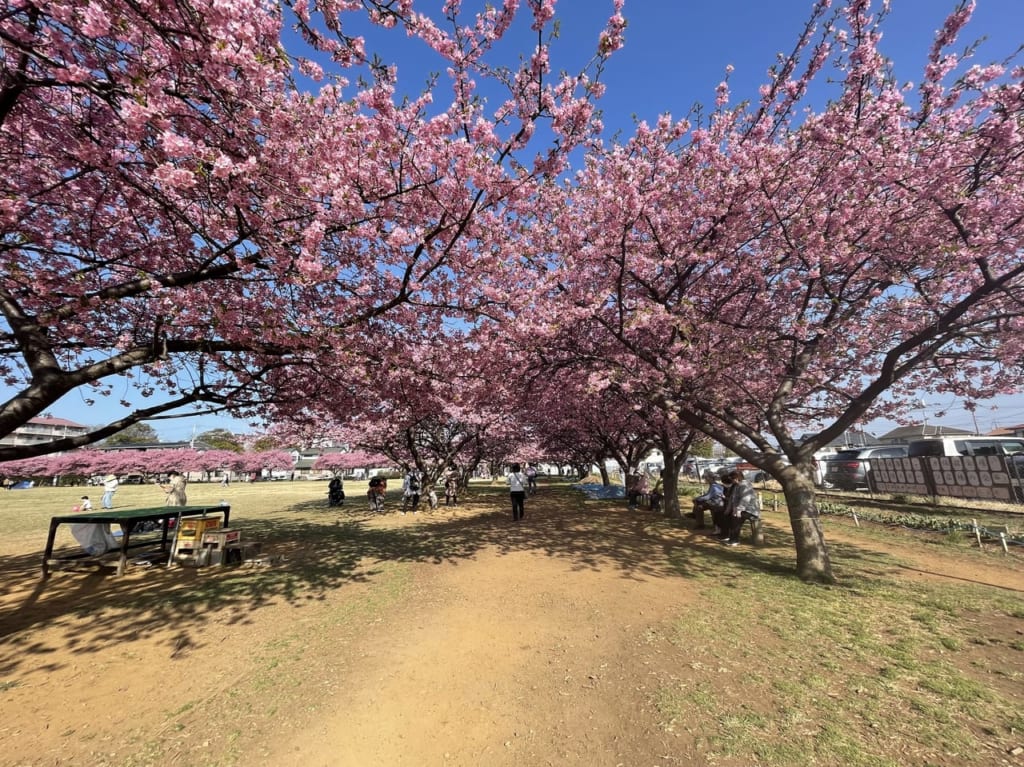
[{"x": 109, "y": 488}]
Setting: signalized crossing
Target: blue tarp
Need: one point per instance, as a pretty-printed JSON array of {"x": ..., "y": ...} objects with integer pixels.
[{"x": 596, "y": 491}]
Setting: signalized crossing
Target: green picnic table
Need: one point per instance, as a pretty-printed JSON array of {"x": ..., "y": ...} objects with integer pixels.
[{"x": 129, "y": 520}]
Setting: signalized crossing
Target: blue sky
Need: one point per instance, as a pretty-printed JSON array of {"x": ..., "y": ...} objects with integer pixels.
[{"x": 676, "y": 53}]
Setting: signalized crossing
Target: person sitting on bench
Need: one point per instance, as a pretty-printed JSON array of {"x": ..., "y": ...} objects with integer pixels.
[
  {"x": 714, "y": 501},
  {"x": 742, "y": 505}
]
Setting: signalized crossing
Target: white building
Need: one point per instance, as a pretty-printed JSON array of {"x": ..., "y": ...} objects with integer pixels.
[{"x": 42, "y": 429}]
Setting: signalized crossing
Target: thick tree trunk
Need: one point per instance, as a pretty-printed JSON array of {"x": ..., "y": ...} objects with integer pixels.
[
  {"x": 670, "y": 486},
  {"x": 812, "y": 558},
  {"x": 605, "y": 479}
]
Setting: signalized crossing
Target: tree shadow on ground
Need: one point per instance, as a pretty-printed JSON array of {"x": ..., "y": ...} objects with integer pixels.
[{"x": 320, "y": 549}]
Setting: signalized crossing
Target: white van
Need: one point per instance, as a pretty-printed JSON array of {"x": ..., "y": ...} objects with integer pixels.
[{"x": 940, "y": 446}]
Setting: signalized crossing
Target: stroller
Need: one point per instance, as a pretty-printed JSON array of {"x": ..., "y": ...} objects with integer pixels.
[{"x": 335, "y": 493}]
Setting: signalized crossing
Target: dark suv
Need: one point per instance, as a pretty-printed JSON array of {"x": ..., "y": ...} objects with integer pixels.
[{"x": 849, "y": 469}]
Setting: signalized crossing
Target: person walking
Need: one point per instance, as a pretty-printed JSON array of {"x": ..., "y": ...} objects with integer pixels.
[
  {"x": 517, "y": 484},
  {"x": 109, "y": 488},
  {"x": 531, "y": 478}
]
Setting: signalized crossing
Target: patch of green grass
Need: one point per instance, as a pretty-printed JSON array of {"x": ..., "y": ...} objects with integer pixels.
[
  {"x": 950, "y": 686},
  {"x": 951, "y": 643},
  {"x": 846, "y": 670},
  {"x": 182, "y": 709}
]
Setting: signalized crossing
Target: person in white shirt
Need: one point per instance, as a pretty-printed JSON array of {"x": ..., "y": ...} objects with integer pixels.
[
  {"x": 517, "y": 488},
  {"x": 109, "y": 488}
]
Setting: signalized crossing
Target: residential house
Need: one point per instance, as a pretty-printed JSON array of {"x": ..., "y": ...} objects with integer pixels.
[
  {"x": 43, "y": 429},
  {"x": 906, "y": 434},
  {"x": 1008, "y": 431}
]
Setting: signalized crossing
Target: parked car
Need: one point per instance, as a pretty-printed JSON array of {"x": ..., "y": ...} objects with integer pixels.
[
  {"x": 966, "y": 446},
  {"x": 818, "y": 462},
  {"x": 754, "y": 473},
  {"x": 710, "y": 468},
  {"x": 751, "y": 472},
  {"x": 1012, "y": 447},
  {"x": 850, "y": 469}
]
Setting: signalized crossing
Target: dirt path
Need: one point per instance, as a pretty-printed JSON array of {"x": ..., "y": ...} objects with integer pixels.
[
  {"x": 516, "y": 656},
  {"x": 523, "y": 657},
  {"x": 516, "y": 659},
  {"x": 481, "y": 643}
]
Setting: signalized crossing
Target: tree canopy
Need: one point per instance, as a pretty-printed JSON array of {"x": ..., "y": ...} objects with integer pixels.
[
  {"x": 181, "y": 211},
  {"x": 424, "y": 278},
  {"x": 135, "y": 434}
]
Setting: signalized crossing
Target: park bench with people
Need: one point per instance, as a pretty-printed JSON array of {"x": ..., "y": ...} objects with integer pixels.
[{"x": 756, "y": 525}]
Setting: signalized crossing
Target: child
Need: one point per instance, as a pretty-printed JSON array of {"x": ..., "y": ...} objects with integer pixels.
[
  {"x": 432, "y": 497},
  {"x": 94, "y": 538}
]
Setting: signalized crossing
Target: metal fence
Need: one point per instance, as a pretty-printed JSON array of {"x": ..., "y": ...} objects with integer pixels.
[{"x": 989, "y": 478}]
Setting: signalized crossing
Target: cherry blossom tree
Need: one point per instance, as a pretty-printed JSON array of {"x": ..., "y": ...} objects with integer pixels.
[
  {"x": 592, "y": 427},
  {"x": 597, "y": 405},
  {"x": 266, "y": 460},
  {"x": 349, "y": 460},
  {"x": 91, "y": 463},
  {"x": 178, "y": 215},
  {"x": 776, "y": 267},
  {"x": 429, "y": 423}
]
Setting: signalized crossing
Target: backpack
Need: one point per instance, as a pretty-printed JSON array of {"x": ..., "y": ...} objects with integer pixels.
[{"x": 414, "y": 483}]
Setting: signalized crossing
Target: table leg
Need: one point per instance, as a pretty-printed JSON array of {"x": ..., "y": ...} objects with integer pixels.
[
  {"x": 166, "y": 529},
  {"x": 48, "y": 552},
  {"x": 126, "y": 532}
]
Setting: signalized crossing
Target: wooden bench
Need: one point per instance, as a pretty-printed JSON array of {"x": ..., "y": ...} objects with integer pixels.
[{"x": 756, "y": 527}]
